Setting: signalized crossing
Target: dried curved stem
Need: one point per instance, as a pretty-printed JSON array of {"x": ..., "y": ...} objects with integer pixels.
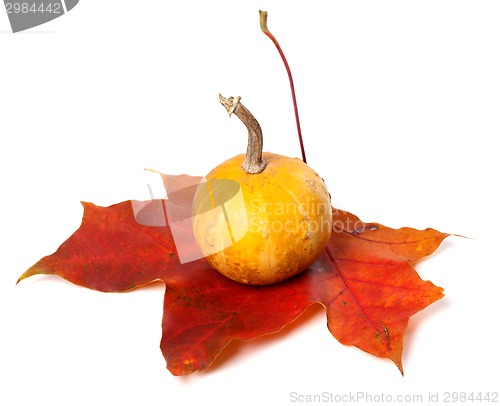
[{"x": 253, "y": 163}]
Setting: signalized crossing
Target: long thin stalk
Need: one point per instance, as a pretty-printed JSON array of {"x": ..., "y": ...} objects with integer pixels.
[{"x": 265, "y": 30}]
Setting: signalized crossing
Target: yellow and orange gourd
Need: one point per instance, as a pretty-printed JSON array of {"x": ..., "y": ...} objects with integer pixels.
[{"x": 277, "y": 222}]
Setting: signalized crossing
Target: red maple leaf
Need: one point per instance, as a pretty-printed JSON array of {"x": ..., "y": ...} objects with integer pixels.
[{"x": 365, "y": 280}]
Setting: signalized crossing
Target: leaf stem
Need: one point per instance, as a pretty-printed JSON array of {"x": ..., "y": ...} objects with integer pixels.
[{"x": 265, "y": 30}]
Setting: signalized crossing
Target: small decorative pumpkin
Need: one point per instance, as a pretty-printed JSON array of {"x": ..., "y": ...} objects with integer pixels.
[{"x": 261, "y": 218}]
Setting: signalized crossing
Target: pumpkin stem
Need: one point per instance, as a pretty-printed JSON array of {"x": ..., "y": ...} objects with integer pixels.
[{"x": 253, "y": 163}]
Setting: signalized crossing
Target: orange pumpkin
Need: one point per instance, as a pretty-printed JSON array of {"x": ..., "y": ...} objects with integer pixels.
[{"x": 261, "y": 218}]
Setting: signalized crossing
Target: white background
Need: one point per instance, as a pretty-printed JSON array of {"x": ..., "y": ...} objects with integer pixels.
[{"x": 399, "y": 103}]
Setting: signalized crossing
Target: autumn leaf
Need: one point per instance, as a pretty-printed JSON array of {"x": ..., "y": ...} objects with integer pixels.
[{"x": 365, "y": 280}]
